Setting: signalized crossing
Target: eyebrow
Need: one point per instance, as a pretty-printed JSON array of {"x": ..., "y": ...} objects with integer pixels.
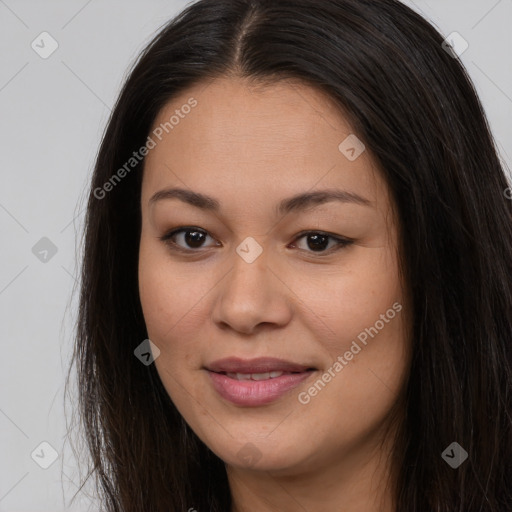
[{"x": 298, "y": 202}]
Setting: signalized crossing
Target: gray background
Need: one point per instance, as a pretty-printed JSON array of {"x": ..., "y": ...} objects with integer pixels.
[{"x": 53, "y": 112}]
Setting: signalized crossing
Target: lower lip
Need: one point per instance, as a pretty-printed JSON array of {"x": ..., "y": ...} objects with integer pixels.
[{"x": 255, "y": 392}]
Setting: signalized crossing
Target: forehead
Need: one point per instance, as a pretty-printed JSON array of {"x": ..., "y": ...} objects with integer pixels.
[{"x": 238, "y": 137}]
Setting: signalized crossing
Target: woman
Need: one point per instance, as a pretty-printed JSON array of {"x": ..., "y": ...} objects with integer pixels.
[{"x": 284, "y": 372}]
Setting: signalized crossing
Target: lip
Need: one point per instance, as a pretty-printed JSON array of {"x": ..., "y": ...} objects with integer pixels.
[
  {"x": 258, "y": 365},
  {"x": 254, "y": 393}
]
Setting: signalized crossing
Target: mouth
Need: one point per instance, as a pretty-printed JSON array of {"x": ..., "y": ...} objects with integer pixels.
[
  {"x": 258, "y": 366},
  {"x": 260, "y": 376},
  {"x": 256, "y": 382}
]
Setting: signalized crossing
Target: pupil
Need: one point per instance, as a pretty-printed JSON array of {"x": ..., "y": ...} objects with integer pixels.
[
  {"x": 194, "y": 238},
  {"x": 319, "y": 241}
]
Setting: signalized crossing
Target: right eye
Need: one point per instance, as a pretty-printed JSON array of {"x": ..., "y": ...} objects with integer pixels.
[{"x": 190, "y": 236}]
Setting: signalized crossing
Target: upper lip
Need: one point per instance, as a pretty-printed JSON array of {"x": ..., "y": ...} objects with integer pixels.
[{"x": 258, "y": 365}]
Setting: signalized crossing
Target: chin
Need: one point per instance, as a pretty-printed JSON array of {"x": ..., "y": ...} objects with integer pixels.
[{"x": 262, "y": 456}]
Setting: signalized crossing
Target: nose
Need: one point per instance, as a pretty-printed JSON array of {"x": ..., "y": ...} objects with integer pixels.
[{"x": 252, "y": 296}]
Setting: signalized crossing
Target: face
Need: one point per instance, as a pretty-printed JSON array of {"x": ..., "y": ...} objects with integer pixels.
[{"x": 301, "y": 297}]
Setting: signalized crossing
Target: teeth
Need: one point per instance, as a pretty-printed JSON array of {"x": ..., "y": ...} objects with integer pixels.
[{"x": 254, "y": 376}]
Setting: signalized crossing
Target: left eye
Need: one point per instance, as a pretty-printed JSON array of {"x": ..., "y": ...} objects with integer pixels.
[{"x": 317, "y": 241}]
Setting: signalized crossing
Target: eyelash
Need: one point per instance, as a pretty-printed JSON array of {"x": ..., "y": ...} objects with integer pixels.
[{"x": 167, "y": 239}]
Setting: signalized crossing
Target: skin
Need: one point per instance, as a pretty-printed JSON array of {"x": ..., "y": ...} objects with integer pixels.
[{"x": 250, "y": 148}]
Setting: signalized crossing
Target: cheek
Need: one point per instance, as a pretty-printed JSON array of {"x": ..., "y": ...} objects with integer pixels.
[
  {"x": 163, "y": 302},
  {"x": 345, "y": 302},
  {"x": 167, "y": 292},
  {"x": 369, "y": 322},
  {"x": 174, "y": 299},
  {"x": 165, "y": 305},
  {"x": 359, "y": 316}
]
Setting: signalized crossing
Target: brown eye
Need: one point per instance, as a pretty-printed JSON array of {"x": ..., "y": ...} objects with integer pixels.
[
  {"x": 190, "y": 237},
  {"x": 318, "y": 242}
]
